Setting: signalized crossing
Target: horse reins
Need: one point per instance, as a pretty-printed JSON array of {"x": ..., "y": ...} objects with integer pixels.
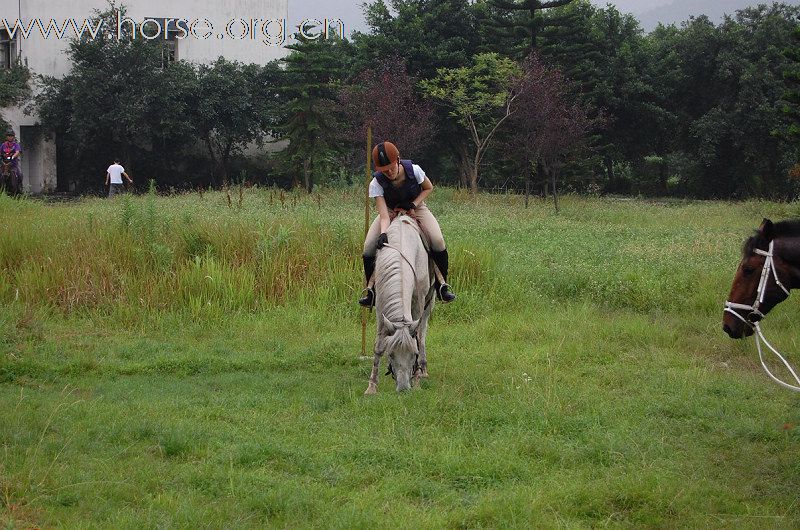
[
  {"x": 731, "y": 307},
  {"x": 413, "y": 270}
]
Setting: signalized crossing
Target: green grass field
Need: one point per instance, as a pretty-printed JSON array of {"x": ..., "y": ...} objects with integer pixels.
[{"x": 182, "y": 362}]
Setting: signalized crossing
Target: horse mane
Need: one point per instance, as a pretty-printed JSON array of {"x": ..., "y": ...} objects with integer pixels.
[
  {"x": 401, "y": 341},
  {"x": 391, "y": 263},
  {"x": 788, "y": 228}
]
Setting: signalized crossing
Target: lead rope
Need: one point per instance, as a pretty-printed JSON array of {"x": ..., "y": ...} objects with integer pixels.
[{"x": 759, "y": 338}]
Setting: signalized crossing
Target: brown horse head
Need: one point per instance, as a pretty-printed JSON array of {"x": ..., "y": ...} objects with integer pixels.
[{"x": 745, "y": 300}]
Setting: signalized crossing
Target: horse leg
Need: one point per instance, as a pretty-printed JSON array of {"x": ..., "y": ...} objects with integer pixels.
[
  {"x": 372, "y": 388},
  {"x": 422, "y": 333},
  {"x": 422, "y": 359}
]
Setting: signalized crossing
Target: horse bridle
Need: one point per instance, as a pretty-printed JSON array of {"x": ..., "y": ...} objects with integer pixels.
[
  {"x": 753, "y": 318},
  {"x": 755, "y": 314}
]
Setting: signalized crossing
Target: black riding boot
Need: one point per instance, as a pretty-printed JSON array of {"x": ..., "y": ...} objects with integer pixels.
[
  {"x": 368, "y": 300},
  {"x": 442, "y": 290}
]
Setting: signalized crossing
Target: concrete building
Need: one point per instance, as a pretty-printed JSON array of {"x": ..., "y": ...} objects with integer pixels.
[{"x": 37, "y": 32}]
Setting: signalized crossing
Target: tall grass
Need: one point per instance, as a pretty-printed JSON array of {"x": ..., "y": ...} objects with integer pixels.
[
  {"x": 186, "y": 252},
  {"x": 177, "y": 253}
]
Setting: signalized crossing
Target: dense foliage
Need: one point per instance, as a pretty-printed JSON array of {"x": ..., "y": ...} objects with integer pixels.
[
  {"x": 698, "y": 110},
  {"x": 14, "y": 87}
]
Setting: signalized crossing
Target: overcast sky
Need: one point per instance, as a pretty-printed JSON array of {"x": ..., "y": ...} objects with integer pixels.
[{"x": 649, "y": 12}]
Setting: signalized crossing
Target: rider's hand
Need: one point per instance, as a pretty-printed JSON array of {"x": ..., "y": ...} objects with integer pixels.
[{"x": 383, "y": 239}]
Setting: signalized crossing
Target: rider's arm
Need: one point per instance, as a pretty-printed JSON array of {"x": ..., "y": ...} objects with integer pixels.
[
  {"x": 130, "y": 180},
  {"x": 383, "y": 211},
  {"x": 108, "y": 178},
  {"x": 427, "y": 188}
]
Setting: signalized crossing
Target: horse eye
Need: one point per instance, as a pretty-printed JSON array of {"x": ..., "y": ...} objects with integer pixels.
[{"x": 748, "y": 270}]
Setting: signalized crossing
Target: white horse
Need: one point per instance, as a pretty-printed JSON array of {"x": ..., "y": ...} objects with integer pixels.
[{"x": 403, "y": 302}]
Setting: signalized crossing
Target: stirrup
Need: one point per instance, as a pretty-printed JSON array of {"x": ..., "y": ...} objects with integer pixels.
[
  {"x": 445, "y": 294},
  {"x": 367, "y": 300}
]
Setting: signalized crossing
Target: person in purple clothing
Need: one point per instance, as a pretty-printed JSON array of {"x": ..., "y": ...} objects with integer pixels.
[{"x": 10, "y": 150}]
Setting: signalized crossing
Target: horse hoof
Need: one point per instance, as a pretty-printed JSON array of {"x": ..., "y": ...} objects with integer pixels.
[
  {"x": 424, "y": 374},
  {"x": 371, "y": 390}
]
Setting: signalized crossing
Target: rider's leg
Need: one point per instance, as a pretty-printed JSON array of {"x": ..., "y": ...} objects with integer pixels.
[
  {"x": 441, "y": 260},
  {"x": 370, "y": 249},
  {"x": 430, "y": 226}
]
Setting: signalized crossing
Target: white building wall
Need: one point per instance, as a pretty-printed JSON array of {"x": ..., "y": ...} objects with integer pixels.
[{"x": 249, "y": 39}]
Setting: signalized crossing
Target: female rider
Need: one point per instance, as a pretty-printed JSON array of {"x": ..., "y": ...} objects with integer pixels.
[{"x": 400, "y": 185}]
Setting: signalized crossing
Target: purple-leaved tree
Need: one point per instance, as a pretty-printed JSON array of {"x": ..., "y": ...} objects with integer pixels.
[
  {"x": 545, "y": 126},
  {"x": 384, "y": 99}
]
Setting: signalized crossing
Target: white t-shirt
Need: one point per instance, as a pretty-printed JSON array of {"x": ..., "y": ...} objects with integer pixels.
[
  {"x": 116, "y": 171},
  {"x": 375, "y": 189}
]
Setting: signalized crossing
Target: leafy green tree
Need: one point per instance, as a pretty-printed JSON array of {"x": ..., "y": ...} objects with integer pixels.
[
  {"x": 521, "y": 22},
  {"x": 727, "y": 129},
  {"x": 312, "y": 76},
  {"x": 604, "y": 55},
  {"x": 14, "y": 87},
  {"x": 428, "y": 34},
  {"x": 229, "y": 112},
  {"x": 480, "y": 98}
]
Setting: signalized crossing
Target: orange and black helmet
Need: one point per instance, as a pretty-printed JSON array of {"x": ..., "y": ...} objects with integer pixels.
[{"x": 384, "y": 155}]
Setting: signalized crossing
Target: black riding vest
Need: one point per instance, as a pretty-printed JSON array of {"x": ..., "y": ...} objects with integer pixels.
[{"x": 409, "y": 191}]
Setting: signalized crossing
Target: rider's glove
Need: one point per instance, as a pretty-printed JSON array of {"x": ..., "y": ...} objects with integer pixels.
[{"x": 382, "y": 240}]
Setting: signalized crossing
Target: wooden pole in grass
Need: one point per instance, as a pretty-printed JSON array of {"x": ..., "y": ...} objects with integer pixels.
[{"x": 366, "y": 228}]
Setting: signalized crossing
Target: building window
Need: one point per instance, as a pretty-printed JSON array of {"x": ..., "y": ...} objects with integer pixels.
[
  {"x": 166, "y": 32},
  {"x": 7, "y": 50},
  {"x": 169, "y": 52}
]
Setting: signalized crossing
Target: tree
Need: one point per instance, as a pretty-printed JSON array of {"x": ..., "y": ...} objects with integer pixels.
[
  {"x": 513, "y": 19},
  {"x": 428, "y": 34},
  {"x": 791, "y": 97},
  {"x": 609, "y": 75},
  {"x": 546, "y": 125},
  {"x": 312, "y": 74},
  {"x": 726, "y": 131},
  {"x": 229, "y": 112},
  {"x": 383, "y": 98},
  {"x": 479, "y": 97},
  {"x": 14, "y": 87}
]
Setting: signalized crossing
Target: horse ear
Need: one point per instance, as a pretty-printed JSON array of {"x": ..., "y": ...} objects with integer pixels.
[
  {"x": 766, "y": 229},
  {"x": 388, "y": 324}
]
